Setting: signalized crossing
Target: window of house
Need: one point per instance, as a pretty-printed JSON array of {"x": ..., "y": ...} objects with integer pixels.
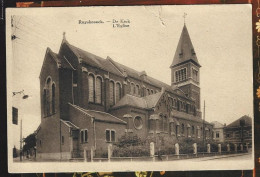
[
  {"x": 132, "y": 88},
  {"x": 217, "y": 134},
  {"x": 147, "y": 92},
  {"x": 177, "y": 130},
  {"x": 112, "y": 93},
  {"x": 192, "y": 130},
  {"x": 98, "y": 91},
  {"x": 195, "y": 74},
  {"x": 53, "y": 98},
  {"x": 49, "y": 98},
  {"x": 138, "y": 122},
  {"x": 110, "y": 136},
  {"x": 180, "y": 75},
  {"x": 62, "y": 139},
  {"x": 91, "y": 87},
  {"x": 118, "y": 92},
  {"x": 228, "y": 135},
  {"x": 84, "y": 136},
  {"x": 137, "y": 90},
  {"x": 182, "y": 129},
  {"x": 113, "y": 136}
]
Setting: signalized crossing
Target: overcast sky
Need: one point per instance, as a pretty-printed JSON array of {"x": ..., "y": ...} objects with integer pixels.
[{"x": 221, "y": 36}]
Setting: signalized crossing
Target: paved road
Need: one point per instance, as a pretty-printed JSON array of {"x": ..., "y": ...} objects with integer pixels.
[{"x": 247, "y": 156}]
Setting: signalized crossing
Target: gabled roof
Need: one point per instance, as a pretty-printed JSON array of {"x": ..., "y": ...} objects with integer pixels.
[
  {"x": 217, "y": 124},
  {"x": 60, "y": 61},
  {"x": 185, "y": 51},
  {"x": 146, "y": 102},
  {"x": 119, "y": 69},
  {"x": 99, "y": 115},
  {"x": 130, "y": 100},
  {"x": 236, "y": 123},
  {"x": 93, "y": 60}
]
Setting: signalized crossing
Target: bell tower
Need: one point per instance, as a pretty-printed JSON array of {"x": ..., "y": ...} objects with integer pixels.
[{"x": 185, "y": 68}]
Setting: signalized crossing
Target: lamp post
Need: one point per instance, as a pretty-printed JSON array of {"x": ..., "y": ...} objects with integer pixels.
[{"x": 21, "y": 124}]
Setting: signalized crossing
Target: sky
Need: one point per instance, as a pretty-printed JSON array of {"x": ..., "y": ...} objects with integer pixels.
[{"x": 221, "y": 36}]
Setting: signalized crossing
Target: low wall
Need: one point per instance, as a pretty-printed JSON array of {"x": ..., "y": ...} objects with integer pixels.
[{"x": 53, "y": 156}]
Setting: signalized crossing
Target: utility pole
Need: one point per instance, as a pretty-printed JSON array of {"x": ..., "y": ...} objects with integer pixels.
[
  {"x": 21, "y": 140},
  {"x": 203, "y": 125}
]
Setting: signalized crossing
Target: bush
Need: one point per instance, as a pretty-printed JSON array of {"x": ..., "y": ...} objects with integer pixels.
[
  {"x": 131, "y": 151},
  {"x": 186, "y": 146}
]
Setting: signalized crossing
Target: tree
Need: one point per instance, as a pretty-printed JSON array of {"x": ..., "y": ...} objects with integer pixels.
[{"x": 30, "y": 142}]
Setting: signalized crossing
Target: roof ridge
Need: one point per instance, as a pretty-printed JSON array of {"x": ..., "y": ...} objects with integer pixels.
[
  {"x": 112, "y": 62},
  {"x": 108, "y": 114}
]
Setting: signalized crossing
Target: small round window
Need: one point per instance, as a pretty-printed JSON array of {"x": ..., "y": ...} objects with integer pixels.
[{"x": 138, "y": 122}]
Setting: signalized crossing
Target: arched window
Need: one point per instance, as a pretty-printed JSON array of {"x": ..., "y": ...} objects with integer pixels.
[
  {"x": 148, "y": 92},
  {"x": 132, "y": 88},
  {"x": 91, "y": 88},
  {"x": 53, "y": 98},
  {"x": 118, "y": 92},
  {"x": 112, "y": 93},
  {"x": 98, "y": 91},
  {"x": 192, "y": 130},
  {"x": 45, "y": 102},
  {"x": 137, "y": 91},
  {"x": 48, "y": 96},
  {"x": 182, "y": 129}
]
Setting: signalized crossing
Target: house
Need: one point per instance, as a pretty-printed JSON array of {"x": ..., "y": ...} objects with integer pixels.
[
  {"x": 88, "y": 102},
  {"x": 239, "y": 132},
  {"x": 218, "y": 131}
]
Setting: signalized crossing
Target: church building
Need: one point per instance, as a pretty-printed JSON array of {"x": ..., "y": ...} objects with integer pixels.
[{"x": 89, "y": 102}]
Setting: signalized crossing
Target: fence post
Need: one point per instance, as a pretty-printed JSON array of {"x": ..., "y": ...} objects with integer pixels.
[
  {"x": 177, "y": 150},
  {"x": 228, "y": 147},
  {"x": 219, "y": 148},
  {"x": 152, "y": 150},
  {"x": 208, "y": 148},
  {"x": 235, "y": 147},
  {"x": 241, "y": 147},
  {"x": 195, "y": 149},
  {"x": 91, "y": 154},
  {"x": 109, "y": 151},
  {"x": 85, "y": 155}
]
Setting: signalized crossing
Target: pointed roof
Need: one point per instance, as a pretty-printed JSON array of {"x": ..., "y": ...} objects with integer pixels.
[
  {"x": 217, "y": 124},
  {"x": 236, "y": 123},
  {"x": 146, "y": 102},
  {"x": 185, "y": 51}
]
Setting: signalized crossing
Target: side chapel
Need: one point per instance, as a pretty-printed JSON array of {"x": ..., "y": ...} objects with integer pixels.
[{"x": 90, "y": 102}]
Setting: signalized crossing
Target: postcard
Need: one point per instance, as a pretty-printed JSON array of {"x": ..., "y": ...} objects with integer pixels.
[{"x": 130, "y": 88}]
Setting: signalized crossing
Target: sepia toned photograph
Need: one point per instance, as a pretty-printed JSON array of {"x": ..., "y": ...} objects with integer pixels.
[{"x": 130, "y": 88}]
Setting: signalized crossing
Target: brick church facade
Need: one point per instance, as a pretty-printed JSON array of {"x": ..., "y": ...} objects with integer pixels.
[{"x": 88, "y": 102}]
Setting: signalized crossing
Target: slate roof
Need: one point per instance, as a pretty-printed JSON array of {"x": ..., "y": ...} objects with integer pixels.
[
  {"x": 99, "y": 115},
  {"x": 94, "y": 60},
  {"x": 146, "y": 102},
  {"x": 112, "y": 66},
  {"x": 185, "y": 51},
  {"x": 183, "y": 115},
  {"x": 236, "y": 123},
  {"x": 217, "y": 124},
  {"x": 60, "y": 60}
]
